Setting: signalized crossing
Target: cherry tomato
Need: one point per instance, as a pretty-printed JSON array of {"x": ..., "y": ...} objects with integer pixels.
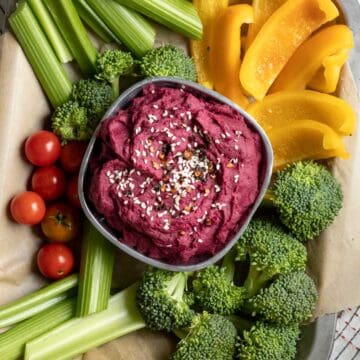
[
  {"x": 42, "y": 148},
  {"x": 71, "y": 155},
  {"x": 61, "y": 222},
  {"x": 49, "y": 182},
  {"x": 72, "y": 191},
  {"x": 27, "y": 208},
  {"x": 55, "y": 261}
]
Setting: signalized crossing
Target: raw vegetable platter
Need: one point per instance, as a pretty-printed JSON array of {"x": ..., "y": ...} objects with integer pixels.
[{"x": 326, "y": 323}]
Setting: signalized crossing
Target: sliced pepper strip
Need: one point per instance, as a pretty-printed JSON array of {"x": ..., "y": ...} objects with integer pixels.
[
  {"x": 304, "y": 140},
  {"x": 327, "y": 77},
  {"x": 226, "y": 51},
  {"x": 263, "y": 9},
  {"x": 309, "y": 57},
  {"x": 286, "y": 107},
  {"x": 208, "y": 10},
  {"x": 279, "y": 38}
]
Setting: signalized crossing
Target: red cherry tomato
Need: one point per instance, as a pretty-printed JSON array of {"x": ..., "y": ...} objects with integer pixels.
[
  {"x": 61, "y": 222},
  {"x": 42, "y": 148},
  {"x": 72, "y": 191},
  {"x": 71, "y": 155},
  {"x": 55, "y": 261},
  {"x": 27, "y": 208},
  {"x": 49, "y": 182}
]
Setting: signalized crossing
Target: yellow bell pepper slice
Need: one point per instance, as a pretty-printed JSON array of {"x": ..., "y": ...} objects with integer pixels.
[
  {"x": 278, "y": 39},
  {"x": 208, "y": 10},
  {"x": 327, "y": 78},
  {"x": 305, "y": 140},
  {"x": 226, "y": 51},
  {"x": 309, "y": 57},
  {"x": 263, "y": 9},
  {"x": 286, "y": 107}
]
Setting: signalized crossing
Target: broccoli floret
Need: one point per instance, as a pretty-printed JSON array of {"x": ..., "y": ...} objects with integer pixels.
[
  {"x": 214, "y": 289},
  {"x": 268, "y": 342},
  {"x": 94, "y": 95},
  {"x": 111, "y": 65},
  {"x": 70, "y": 122},
  {"x": 290, "y": 299},
  {"x": 210, "y": 337},
  {"x": 161, "y": 300},
  {"x": 271, "y": 251},
  {"x": 307, "y": 198},
  {"x": 168, "y": 60}
]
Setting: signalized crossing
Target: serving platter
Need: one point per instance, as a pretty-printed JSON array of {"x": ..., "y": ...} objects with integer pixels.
[{"x": 317, "y": 338}]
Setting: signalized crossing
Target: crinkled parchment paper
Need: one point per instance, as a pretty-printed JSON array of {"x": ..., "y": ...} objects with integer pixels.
[{"x": 334, "y": 258}]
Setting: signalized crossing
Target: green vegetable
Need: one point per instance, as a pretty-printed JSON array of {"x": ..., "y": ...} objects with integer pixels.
[
  {"x": 268, "y": 342},
  {"x": 178, "y": 15},
  {"x": 95, "y": 96},
  {"x": 88, "y": 15},
  {"x": 70, "y": 121},
  {"x": 52, "y": 32},
  {"x": 271, "y": 251},
  {"x": 214, "y": 289},
  {"x": 131, "y": 28},
  {"x": 13, "y": 341},
  {"x": 48, "y": 69},
  {"x": 168, "y": 60},
  {"x": 161, "y": 300},
  {"x": 37, "y": 301},
  {"x": 74, "y": 33},
  {"x": 290, "y": 299},
  {"x": 209, "y": 337},
  {"x": 97, "y": 262},
  {"x": 307, "y": 198},
  {"x": 82, "y": 334},
  {"x": 111, "y": 65}
]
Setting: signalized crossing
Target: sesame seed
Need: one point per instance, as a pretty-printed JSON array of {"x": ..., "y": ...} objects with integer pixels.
[
  {"x": 155, "y": 106},
  {"x": 217, "y": 141}
]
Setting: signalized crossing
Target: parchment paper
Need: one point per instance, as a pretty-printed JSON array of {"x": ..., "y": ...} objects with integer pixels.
[{"x": 333, "y": 259}]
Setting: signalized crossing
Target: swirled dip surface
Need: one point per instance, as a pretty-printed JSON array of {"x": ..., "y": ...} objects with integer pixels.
[{"x": 176, "y": 174}]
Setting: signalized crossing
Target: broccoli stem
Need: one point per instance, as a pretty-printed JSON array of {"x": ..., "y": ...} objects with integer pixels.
[
  {"x": 255, "y": 280},
  {"x": 239, "y": 323},
  {"x": 116, "y": 87},
  {"x": 268, "y": 199},
  {"x": 228, "y": 264},
  {"x": 177, "y": 286}
]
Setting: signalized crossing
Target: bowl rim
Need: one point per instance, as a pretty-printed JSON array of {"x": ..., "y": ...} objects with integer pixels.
[{"x": 124, "y": 99}]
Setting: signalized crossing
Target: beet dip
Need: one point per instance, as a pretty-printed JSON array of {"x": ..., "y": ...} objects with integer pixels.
[{"x": 176, "y": 174}]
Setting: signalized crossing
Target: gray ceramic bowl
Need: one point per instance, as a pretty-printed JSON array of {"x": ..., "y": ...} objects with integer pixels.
[{"x": 99, "y": 222}]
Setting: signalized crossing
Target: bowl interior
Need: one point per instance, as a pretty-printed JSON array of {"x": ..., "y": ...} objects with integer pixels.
[{"x": 98, "y": 220}]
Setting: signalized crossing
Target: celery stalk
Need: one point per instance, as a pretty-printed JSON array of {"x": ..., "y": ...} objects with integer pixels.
[
  {"x": 72, "y": 29},
  {"x": 82, "y": 334},
  {"x": 37, "y": 301},
  {"x": 48, "y": 69},
  {"x": 97, "y": 262},
  {"x": 130, "y": 27},
  {"x": 90, "y": 18},
  {"x": 178, "y": 15},
  {"x": 13, "y": 341},
  {"x": 50, "y": 29}
]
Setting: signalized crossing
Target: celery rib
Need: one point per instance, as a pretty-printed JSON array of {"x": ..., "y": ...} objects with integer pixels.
[
  {"x": 72, "y": 29},
  {"x": 13, "y": 341},
  {"x": 48, "y": 69},
  {"x": 178, "y": 15},
  {"x": 82, "y": 334},
  {"x": 97, "y": 262},
  {"x": 50, "y": 29},
  {"x": 90, "y": 18},
  {"x": 130, "y": 27},
  {"x": 37, "y": 301}
]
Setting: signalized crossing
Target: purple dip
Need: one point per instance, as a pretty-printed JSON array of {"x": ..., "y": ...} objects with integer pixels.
[{"x": 176, "y": 174}]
